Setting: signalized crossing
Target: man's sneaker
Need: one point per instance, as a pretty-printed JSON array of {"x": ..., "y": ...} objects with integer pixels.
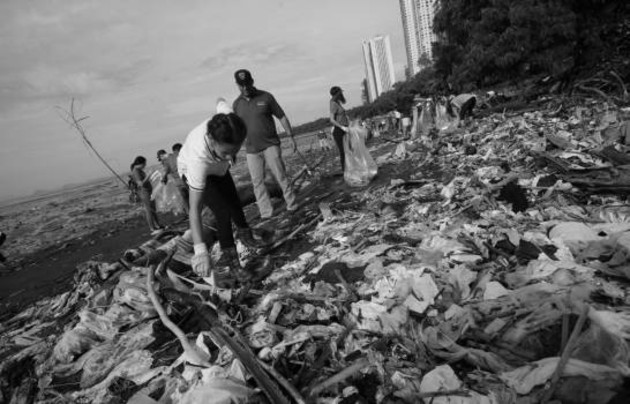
[
  {"x": 247, "y": 238},
  {"x": 229, "y": 258}
]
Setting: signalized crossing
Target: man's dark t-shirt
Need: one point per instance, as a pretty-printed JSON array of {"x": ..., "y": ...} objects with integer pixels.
[{"x": 257, "y": 112}]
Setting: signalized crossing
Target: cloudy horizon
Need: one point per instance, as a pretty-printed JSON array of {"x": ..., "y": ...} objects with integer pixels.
[{"x": 148, "y": 71}]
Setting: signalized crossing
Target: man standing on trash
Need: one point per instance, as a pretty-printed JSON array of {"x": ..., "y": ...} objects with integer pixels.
[
  {"x": 204, "y": 163},
  {"x": 257, "y": 108}
]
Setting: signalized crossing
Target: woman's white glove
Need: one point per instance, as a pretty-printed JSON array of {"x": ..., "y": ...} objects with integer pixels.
[{"x": 201, "y": 264}]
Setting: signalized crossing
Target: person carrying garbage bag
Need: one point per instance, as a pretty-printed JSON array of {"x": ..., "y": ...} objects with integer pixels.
[
  {"x": 204, "y": 163},
  {"x": 339, "y": 120}
]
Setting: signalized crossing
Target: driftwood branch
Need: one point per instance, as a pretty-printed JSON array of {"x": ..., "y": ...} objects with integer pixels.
[
  {"x": 190, "y": 352},
  {"x": 241, "y": 350},
  {"x": 568, "y": 349},
  {"x": 288, "y": 237},
  {"x": 599, "y": 92},
  {"x": 297, "y": 397},
  {"x": 341, "y": 376}
]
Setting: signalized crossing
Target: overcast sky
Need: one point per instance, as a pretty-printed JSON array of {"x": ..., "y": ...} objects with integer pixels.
[{"x": 148, "y": 71}]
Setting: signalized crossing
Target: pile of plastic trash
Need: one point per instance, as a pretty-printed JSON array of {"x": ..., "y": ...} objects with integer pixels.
[{"x": 489, "y": 271}]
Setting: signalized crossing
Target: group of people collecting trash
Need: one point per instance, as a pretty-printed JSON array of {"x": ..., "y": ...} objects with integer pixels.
[{"x": 200, "y": 170}]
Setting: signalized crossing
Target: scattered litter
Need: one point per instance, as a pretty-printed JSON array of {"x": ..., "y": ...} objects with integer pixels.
[{"x": 458, "y": 280}]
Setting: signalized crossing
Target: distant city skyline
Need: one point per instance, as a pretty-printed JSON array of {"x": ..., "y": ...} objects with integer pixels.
[
  {"x": 417, "y": 21},
  {"x": 379, "y": 66}
]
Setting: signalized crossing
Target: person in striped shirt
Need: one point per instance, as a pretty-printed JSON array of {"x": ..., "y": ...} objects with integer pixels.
[{"x": 462, "y": 105}]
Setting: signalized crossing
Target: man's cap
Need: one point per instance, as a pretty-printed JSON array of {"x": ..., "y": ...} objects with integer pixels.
[
  {"x": 161, "y": 152},
  {"x": 335, "y": 90},
  {"x": 243, "y": 77}
]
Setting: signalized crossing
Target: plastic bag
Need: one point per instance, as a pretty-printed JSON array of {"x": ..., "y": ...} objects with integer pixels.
[
  {"x": 167, "y": 198},
  {"x": 444, "y": 122},
  {"x": 525, "y": 378},
  {"x": 74, "y": 343},
  {"x": 426, "y": 121},
  {"x": 443, "y": 378},
  {"x": 422, "y": 120},
  {"x": 132, "y": 291},
  {"x": 596, "y": 345},
  {"x": 156, "y": 177},
  {"x": 360, "y": 166}
]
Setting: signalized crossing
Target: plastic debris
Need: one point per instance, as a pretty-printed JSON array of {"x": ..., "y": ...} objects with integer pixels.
[
  {"x": 360, "y": 166},
  {"x": 458, "y": 279}
]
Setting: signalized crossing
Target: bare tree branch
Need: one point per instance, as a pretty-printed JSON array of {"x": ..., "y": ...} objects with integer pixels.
[{"x": 70, "y": 118}]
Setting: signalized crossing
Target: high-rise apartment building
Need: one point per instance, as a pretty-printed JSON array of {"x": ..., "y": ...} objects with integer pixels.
[
  {"x": 417, "y": 18},
  {"x": 379, "y": 66}
]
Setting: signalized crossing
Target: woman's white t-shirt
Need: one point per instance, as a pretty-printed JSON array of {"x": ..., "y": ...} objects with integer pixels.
[{"x": 196, "y": 160}]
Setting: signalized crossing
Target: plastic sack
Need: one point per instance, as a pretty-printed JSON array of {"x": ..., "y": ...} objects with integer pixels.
[
  {"x": 360, "y": 166},
  {"x": 596, "y": 345},
  {"x": 75, "y": 342},
  {"x": 443, "y": 378},
  {"x": 155, "y": 177},
  {"x": 423, "y": 120},
  {"x": 221, "y": 391},
  {"x": 426, "y": 121},
  {"x": 132, "y": 291},
  {"x": 444, "y": 122},
  {"x": 167, "y": 198},
  {"x": 525, "y": 378}
]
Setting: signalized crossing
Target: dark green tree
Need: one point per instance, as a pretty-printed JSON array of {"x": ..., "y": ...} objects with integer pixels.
[
  {"x": 424, "y": 61},
  {"x": 487, "y": 41}
]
